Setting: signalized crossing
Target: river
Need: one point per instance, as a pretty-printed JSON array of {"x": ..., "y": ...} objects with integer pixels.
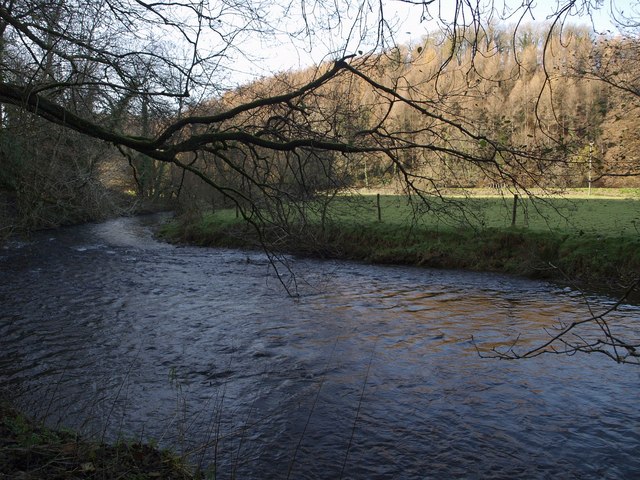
[{"x": 369, "y": 373}]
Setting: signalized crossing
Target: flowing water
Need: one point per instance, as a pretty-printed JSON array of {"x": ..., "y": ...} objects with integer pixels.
[{"x": 370, "y": 373}]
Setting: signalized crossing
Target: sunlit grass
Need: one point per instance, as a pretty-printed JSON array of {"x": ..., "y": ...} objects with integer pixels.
[{"x": 594, "y": 215}]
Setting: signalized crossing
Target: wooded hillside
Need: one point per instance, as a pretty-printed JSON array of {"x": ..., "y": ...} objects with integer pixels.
[
  {"x": 82, "y": 123},
  {"x": 558, "y": 99}
]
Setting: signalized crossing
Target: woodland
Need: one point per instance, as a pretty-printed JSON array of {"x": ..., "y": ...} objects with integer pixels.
[{"x": 91, "y": 126}]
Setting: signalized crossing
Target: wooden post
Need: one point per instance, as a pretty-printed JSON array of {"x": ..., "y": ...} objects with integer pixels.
[
  {"x": 590, "y": 150},
  {"x": 366, "y": 175},
  {"x": 237, "y": 212},
  {"x": 379, "y": 209},
  {"x": 515, "y": 208}
]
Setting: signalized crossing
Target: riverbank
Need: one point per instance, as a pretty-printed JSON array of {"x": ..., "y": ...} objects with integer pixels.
[
  {"x": 29, "y": 450},
  {"x": 592, "y": 243}
]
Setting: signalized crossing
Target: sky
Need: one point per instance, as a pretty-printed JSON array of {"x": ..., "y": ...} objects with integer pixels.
[
  {"x": 283, "y": 51},
  {"x": 543, "y": 10}
]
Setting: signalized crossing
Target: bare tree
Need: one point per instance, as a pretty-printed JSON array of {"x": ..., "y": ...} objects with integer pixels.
[
  {"x": 152, "y": 79},
  {"x": 101, "y": 69}
]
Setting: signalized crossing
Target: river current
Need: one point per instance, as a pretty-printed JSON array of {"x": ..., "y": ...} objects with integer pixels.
[{"x": 369, "y": 373}]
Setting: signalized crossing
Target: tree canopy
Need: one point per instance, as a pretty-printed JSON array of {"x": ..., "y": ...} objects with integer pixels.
[{"x": 150, "y": 79}]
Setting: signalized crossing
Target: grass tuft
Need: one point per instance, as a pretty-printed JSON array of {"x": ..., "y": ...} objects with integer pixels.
[{"x": 30, "y": 450}]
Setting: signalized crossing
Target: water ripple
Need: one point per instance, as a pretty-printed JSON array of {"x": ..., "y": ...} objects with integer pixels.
[{"x": 370, "y": 373}]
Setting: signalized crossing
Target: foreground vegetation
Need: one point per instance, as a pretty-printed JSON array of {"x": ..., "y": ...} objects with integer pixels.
[
  {"x": 593, "y": 241},
  {"x": 29, "y": 450}
]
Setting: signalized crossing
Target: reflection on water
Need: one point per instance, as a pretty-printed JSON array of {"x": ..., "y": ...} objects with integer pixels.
[{"x": 371, "y": 373}]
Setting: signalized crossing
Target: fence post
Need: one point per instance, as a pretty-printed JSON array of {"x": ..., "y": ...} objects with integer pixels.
[
  {"x": 379, "y": 209},
  {"x": 515, "y": 208}
]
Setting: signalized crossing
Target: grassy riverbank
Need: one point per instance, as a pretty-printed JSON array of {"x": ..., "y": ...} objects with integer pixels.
[
  {"x": 30, "y": 451},
  {"x": 592, "y": 240}
]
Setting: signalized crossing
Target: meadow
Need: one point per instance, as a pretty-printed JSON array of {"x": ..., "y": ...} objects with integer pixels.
[{"x": 608, "y": 212}]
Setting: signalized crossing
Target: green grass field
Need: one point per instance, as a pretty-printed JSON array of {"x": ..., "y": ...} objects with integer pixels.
[{"x": 601, "y": 216}]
